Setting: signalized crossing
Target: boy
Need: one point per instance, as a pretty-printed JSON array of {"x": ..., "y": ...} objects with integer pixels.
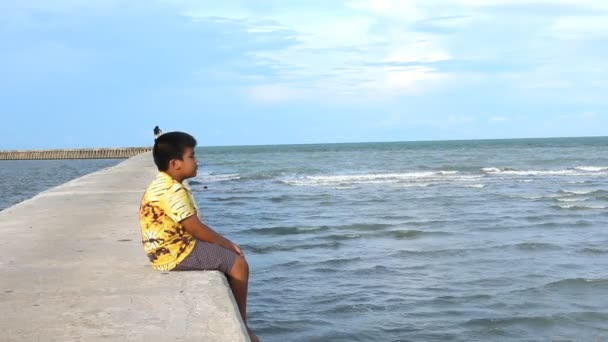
[{"x": 174, "y": 238}]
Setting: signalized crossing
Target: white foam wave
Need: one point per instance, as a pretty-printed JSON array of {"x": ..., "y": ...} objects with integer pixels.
[
  {"x": 592, "y": 168},
  {"x": 579, "y": 206},
  {"x": 422, "y": 178},
  {"x": 541, "y": 173},
  {"x": 532, "y": 197},
  {"x": 579, "y": 192},
  {"x": 414, "y": 185},
  {"x": 572, "y": 199},
  {"x": 577, "y": 171},
  {"x": 475, "y": 186}
]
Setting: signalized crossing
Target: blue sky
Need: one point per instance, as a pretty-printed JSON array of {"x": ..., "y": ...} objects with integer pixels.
[{"x": 90, "y": 73}]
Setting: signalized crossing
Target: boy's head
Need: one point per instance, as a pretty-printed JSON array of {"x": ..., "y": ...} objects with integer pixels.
[{"x": 174, "y": 152}]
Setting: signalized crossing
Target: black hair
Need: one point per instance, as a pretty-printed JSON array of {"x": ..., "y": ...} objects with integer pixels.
[
  {"x": 169, "y": 146},
  {"x": 156, "y": 130}
]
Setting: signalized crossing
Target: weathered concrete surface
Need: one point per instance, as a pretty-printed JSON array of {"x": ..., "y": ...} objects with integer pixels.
[{"x": 72, "y": 268}]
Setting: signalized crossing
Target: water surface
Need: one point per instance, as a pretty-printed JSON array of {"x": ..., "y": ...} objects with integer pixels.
[{"x": 430, "y": 241}]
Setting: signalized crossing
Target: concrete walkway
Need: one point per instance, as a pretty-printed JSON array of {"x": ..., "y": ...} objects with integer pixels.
[{"x": 72, "y": 268}]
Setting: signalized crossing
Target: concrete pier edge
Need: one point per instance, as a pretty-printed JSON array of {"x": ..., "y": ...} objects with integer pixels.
[{"x": 72, "y": 267}]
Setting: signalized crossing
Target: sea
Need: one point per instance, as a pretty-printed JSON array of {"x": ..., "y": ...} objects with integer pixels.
[
  {"x": 484, "y": 240},
  {"x": 22, "y": 179}
]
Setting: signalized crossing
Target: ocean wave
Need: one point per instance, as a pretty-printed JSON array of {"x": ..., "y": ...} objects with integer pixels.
[
  {"x": 266, "y": 249},
  {"x": 576, "y": 171},
  {"x": 363, "y": 227},
  {"x": 280, "y": 199},
  {"x": 572, "y": 285},
  {"x": 537, "y": 246},
  {"x": 232, "y": 198},
  {"x": 432, "y": 253},
  {"x": 592, "y": 168},
  {"x": 339, "y": 262},
  {"x": 415, "y": 185},
  {"x": 287, "y": 230},
  {"x": 577, "y": 283},
  {"x": 584, "y": 192},
  {"x": 462, "y": 299},
  {"x": 412, "y": 234},
  {"x": 422, "y": 178},
  {"x": 542, "y": 225},
  {"x": 594, "y": 251},
  {"x": 572, "y": 199},
  {"x": 290, "y": 264},
  {"x": 534, "y": 197},
  {"x": 580, "y": 206},
  {"x": 535, "y": 321},
  {"x": 342, "y": 309},
  {"x": 341, "y": 237},
  {"x": 373, "y": 270},
  {"x": 532, "y": 172}
]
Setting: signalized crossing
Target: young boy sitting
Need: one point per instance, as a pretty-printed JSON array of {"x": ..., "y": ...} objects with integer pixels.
[{"x": 174, "y": 238}]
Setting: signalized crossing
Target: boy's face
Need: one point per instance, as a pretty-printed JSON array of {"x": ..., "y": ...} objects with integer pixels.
[{"x": 187, "y": 167}]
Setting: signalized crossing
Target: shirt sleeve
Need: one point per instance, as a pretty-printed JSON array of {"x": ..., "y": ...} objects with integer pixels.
[{"x": 179, "y": 203}]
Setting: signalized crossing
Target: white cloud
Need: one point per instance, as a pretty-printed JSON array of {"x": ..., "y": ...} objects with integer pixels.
[
  {"x": 594, "y": 4},
  {"x": 579, "y": 27},
  {"x": 274, "y": 93},
  {"x": 582, "y": 117},
  {"x": 57, "y": 6},
  {"x": 403, "y": 9},
  {"x": 343, "y": 52},
  {"x": 412, "y": 79},
  {"x": 350, "y": 51},
  {"x": 451, "y": 122},
  {"x": 418, "y": 51},
  {"x": 588, "y": 115}
]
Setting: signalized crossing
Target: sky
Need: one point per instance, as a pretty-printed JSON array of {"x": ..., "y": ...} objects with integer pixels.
[{"x": 92, "y": 73}]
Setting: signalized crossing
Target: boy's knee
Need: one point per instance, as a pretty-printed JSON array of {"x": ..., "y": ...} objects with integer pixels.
[
  {"x": 240, "y": 265},
  {"x": 244, "y": 263}
]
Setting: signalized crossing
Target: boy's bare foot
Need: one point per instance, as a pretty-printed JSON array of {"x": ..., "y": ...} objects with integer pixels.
[{"x": 253, "y": 336}]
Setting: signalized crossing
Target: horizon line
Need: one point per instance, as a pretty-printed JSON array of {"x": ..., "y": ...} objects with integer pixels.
[
  {"x": 314, "y": 143},
  {"x": 407, "y": 141}
]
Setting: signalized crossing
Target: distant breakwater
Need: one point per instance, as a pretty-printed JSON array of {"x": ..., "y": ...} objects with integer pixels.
[{"x": 81, "y": 153}]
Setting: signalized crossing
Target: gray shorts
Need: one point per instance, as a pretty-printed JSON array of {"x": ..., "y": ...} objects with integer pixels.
[{"x": 207, "y": 256}]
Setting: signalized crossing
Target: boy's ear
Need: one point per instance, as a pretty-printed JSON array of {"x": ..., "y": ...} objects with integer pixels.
[{"x": 175, "y": 164}]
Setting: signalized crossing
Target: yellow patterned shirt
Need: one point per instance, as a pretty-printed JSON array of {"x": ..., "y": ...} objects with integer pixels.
[{"x": 166, "y": 202}]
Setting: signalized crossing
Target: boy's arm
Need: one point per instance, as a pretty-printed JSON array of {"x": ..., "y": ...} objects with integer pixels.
[{"x": 201, "y": 231}]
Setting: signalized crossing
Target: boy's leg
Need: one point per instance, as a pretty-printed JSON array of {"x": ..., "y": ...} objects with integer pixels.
[
  {"x": 238, "y": 278},
  {"x": 209, "y": 256}
]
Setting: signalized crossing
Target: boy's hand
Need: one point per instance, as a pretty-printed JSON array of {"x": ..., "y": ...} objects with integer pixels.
[
  {"x": 237, "y": 249},
  {"x": 201, "y": 231}
]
